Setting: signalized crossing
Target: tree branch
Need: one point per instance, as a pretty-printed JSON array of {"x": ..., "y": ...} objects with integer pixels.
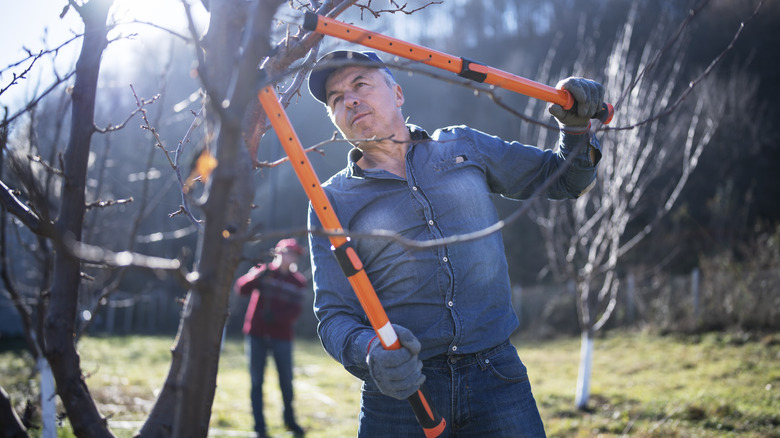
[
  {"x": 692, "y": 84},
  {"x": 140, "y": 107},
  {"x": 402, "y": 8},
  {"x": 21, "y": 211}
]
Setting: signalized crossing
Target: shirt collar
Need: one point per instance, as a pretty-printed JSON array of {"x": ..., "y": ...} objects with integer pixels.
[
  {"x": 354, "y": 155},
  {"x": 417, "y": 133}
]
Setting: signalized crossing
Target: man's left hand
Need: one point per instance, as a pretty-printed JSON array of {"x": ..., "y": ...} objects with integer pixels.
[{"x": 588, "y": 96}]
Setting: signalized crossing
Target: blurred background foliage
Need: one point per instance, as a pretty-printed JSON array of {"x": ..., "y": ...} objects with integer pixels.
[{"x": 724, "y": 219}]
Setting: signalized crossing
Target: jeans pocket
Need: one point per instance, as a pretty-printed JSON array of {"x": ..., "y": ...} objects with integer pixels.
[{"x": 506, "y": 365}]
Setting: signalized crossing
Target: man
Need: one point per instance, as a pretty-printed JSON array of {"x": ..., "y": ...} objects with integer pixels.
[
  {"x": 277, "y": 291},
  {"x": 450, "y": 305}
]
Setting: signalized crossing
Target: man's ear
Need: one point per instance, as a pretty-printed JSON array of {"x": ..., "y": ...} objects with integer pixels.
[{"x": 399, "y": 96}]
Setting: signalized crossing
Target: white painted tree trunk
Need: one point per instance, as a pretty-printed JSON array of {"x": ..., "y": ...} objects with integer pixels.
[
  {"x": 48, "y": 400},
  {"x": 583, "y": 378}
]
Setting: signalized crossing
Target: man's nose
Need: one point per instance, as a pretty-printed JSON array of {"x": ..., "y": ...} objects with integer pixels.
[{"x": 351, "y": 100}]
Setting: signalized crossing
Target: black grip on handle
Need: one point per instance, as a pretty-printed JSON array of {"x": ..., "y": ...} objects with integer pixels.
[
  {"x": 432, "y": 423},
  {"x": 604, "y": 114},
  {"x": 310, "y": 21}
]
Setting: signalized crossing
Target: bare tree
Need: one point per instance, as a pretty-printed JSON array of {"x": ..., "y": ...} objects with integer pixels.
[
  {"x": 59, "y": 326},
  {"x": 647, "y": 162},
  {"x": 183, "y": 407},
  {"x": 231, "y": 79}
]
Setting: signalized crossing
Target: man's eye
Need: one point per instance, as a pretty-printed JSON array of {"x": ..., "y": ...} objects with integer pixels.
[{"x": 335, "y": 101}]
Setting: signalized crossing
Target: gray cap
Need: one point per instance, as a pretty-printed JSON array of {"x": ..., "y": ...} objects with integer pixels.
[{"x": 319, "y": 75}]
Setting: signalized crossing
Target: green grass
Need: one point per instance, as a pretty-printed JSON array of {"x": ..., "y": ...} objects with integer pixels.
[
  {"x": 711, "y": 386},
  {"x": 643, "y": 385}
]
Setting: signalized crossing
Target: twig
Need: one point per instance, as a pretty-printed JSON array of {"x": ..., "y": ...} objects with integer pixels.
[
  {"x": 691, "y": 85},
  {"x": 21, "y": 211},
  {"x": 318, "y": 148},
  {"x": 402, "y": 9},
  {"x": 47, "y": 166},
  {"x": 185, "y": 207},
  {"x": 21, "y": 75},
  {"x": 685, "y": 23},
  {"x": 42, "y": 52},
  {"x": 109, "y": 203},
  {"x": 140, "y": 104},
  {"x": 147, "y": 126},
  {"x": 172, "y": 162},
  {"x": 162, "y": 28},
  {"x": 30, "y": 105}
]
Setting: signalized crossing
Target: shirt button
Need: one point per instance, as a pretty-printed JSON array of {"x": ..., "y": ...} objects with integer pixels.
[
  {"x": 446, "y": 259},
  {"x": 414, "y": 188},
  {"x": 450, "y": 303},
  {"x": 430, "y": 222},
  {"x": 487, "y": 360},
  {"x": 454, "y": 348}
]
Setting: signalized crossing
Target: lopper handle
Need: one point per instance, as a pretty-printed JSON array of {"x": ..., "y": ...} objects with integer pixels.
[
  {"x": 461, "y": 66},
  {"x": 604, "y": 114},
  {"x": 433, "y": 424},
  {"x": 566, "y": 100}
]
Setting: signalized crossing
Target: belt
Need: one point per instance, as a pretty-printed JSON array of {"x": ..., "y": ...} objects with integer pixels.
[{"x": 481, "y": 357}]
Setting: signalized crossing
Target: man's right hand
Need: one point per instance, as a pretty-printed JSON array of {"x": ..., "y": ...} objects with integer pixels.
[
  {"x": 588, "y": 96},
  {"x": 397, "y": 373}
]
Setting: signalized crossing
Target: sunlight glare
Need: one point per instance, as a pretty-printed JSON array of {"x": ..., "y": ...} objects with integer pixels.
[
  {"x": 168, "y": 14},
  {"x": 144, "y": 26}
]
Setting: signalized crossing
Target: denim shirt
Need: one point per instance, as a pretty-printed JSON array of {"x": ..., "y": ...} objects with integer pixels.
[{"x": 455, "y": 298}]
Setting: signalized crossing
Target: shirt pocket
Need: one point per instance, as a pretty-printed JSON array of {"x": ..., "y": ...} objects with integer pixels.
[{"x": 450, "y": 162}]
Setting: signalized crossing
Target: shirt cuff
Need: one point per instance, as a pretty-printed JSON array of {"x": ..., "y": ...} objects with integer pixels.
[
  {"x": 573, "y": 137},
  {"x": 361, "y": 345},
  {"x": 575, "y": 129}
]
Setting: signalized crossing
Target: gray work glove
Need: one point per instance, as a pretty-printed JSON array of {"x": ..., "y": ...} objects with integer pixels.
[
  {"x": 397, "y": 373},
  {"x": 588, "y": 97}
]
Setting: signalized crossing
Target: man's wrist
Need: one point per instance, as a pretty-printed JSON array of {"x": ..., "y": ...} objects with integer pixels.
[
  {"x": 368, "y": 349},
  {"x": 575, "y": 130},
  {"x": 362, "y": 346},
  {"x": 579, "y": 138}
]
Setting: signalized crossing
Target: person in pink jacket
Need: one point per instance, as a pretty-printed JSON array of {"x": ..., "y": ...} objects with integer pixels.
[{"x": 277, "y": 292}]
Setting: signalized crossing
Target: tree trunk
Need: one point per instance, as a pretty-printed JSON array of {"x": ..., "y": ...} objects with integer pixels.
[
  {"x": 183, "y": 408},
  {"x": 10, "y": 423},
  {"x": 59, "y": 326},
  {"x": 585, "y": 371}
]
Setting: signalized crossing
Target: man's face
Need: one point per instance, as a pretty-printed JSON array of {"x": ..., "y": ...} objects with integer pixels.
[{"x": 362, "y": 104}]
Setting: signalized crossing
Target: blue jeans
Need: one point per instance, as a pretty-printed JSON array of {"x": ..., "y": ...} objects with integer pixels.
[
  {"x": 258, "y": 349},
  {"x": 487, "y": 394}
]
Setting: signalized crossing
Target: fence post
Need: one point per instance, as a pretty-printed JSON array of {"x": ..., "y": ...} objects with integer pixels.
[
  {"x": 129, "y": 313},
  {"x": 630, "y": 285},
  {"x": 695, "y": 279},
  {"x": 110, "y": 317}
]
